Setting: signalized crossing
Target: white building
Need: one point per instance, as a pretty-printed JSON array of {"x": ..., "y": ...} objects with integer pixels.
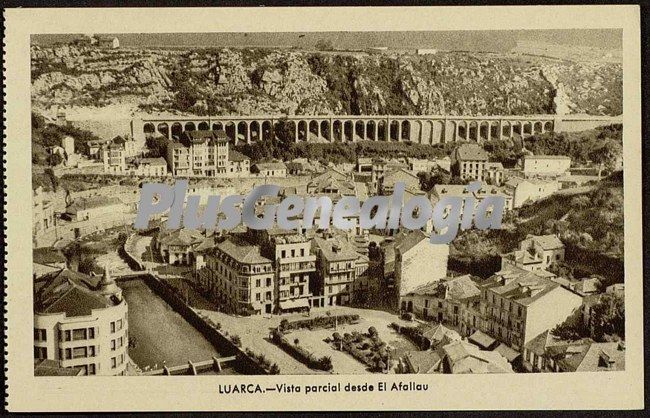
[
  {"x": 525, "y": 191},
  {"x": 81, "y": 323},
  {"x": 545, "y": 165}
]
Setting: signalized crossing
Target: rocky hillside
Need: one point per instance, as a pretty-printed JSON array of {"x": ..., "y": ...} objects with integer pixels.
[{"x": 254, "y": 81}]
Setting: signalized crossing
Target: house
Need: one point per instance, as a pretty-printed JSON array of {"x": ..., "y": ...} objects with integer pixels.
[
  {"x": 545, "y": 165},
  {"x": 411, "y": 182},
  {"x": 536, "y": 252},
  {"x": 526, "y": 191},
  {"x": 114, "y": 157},
  {"x": 177, "y": 246},
  {"x": 493, "y": 173},
  {"x": 469, "y": 161},
  {"x": 238, "y": 163},
  {"x": 417, "y": 261},
  {"x": 517, "y": 305},
  {"x": 441, "y": 300},
  {"x": 332, "y": 183},
  {"x": 336, "y": 270},
  {"x": 462, "y": 357},
  {"x": 109, "y": 42},
  {"x": 94, "y": 207},
  {"x": 270, "y": 169},
  {"x": 43, "y": 219},
  {"x": 150, "y": 167}
]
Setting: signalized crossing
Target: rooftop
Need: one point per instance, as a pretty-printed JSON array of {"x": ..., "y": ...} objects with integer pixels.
[
  {"x": 242, "y": 251},
  {"x": 471, "y": 152},
  {"x": 70, "y": 292},
  {"x": 520, "y": 285}
]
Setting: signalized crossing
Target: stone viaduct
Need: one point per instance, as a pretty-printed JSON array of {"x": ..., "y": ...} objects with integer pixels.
[{"x": 432, "y": 129}]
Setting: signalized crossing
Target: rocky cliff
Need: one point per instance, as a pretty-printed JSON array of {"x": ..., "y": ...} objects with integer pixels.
[{"x": 264, "y": 81}]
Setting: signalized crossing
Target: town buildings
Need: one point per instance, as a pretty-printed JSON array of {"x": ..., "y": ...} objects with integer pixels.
[
  {"x": 535, "y": 253},
  {"x": 81, "y": 323},
  {"x": 548, "y": 353},
  {"x": 150, "y": 167},
  {"x": 114, "y": 158},
  {"x": 517, "y": 305},
  {"x": 177, "y": 246},
  {"x": 461, "y": 191}
]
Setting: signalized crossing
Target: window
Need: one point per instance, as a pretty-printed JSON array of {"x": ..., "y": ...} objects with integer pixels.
[
  {"x": 40, "y": 352},
  {"x": 79, "y": 352},
  {"x": 258, "y": 297},
  {"x": 91, "y": 369},
  {"x": 40, "y": 334},
  {"x": 79, "y": 334},
  {"x": 258, "y": 283},
  {"x": 113, "y": 362},
  {"x": 268, "y": 281},
  {"x": 302, "y": 252}
]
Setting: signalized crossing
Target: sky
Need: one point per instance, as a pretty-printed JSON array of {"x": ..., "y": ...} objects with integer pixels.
[{"x": 494, "y": 41}]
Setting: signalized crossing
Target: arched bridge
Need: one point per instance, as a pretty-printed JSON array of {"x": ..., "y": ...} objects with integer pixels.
[{"x": 431, "y": 129}]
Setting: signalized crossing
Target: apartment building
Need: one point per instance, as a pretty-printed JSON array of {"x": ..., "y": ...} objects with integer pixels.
[
  {"x": 238, "y": 277},
  {"x": 293, "y": 264},
  {"x": 517, "y": 305},
  {"x": 199, "y": 153},
  {"x": 81, "y": 323},
  {"x": 335, "y": 271},
  {"x": 535, "y": 253},
  {"x": 114, "y": 157},
  {"x": 417, "y": 261},
  {"x": 469, "y": 162}
]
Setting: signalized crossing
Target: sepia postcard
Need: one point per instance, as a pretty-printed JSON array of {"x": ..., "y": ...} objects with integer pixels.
[{"x": 275, "y": 209}]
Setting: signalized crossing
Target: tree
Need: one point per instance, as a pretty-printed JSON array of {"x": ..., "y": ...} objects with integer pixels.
[
  {"x": 608, "y": 318},
  {"x": 275, "y": 369},
  {"x": 324, "y": 45},
  {"x": 296, "y": 341},
  {"x": 372, "y": 331},
  {"x": 235, "y": 340},
  {"x": 325, "y": 363},
  {"x": 86, "y": 265}
]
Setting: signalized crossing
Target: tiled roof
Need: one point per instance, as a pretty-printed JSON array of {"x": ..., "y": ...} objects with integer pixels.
[
  {"x": 69, "y": 292},
  {"x": 463, "y": 357},
  {"x": 547, "y": 242},
  {"x": 242, "y": 251},
  {"x": 471, "y": 152},
  {"x": 47, "y": 255},
  {"x": 423, "y": 361},
  {"x": 454, "y": 288},
  {"x": 48, "y": 367},
  {"x": 180, "y": 237},
  {"x": 335, "y": 249},
  {"x": 234, "y": 155},
  {"x": 521, "y": 285}
]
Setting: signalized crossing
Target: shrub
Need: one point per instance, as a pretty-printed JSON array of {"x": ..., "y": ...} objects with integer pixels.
[
  {"x": 235, "y": 340},
  {"x": 336, "y": 336},
  {"x": 275, "y": 369},
  {"x": 372, "y": 331}
]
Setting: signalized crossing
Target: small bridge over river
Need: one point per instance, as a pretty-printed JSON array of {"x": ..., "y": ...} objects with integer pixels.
[{"x": 426, "y": 129}]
